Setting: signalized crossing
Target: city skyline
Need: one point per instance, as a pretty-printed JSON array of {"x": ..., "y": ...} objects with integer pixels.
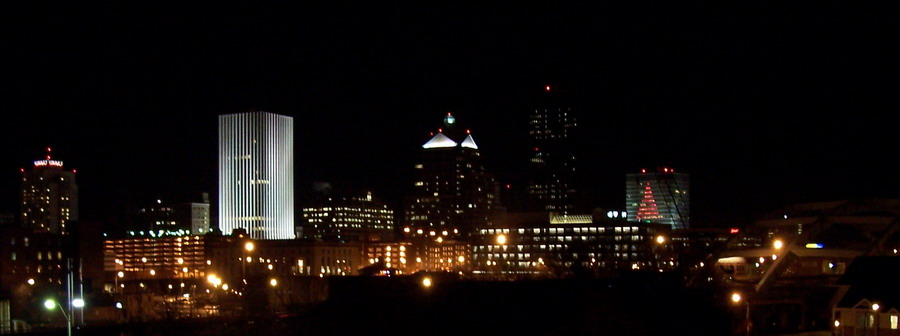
[{"x": 798, "y": 113}]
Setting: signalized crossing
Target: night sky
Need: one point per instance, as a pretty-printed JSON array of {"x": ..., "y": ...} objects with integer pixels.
[{"x": 763, "y": 104}]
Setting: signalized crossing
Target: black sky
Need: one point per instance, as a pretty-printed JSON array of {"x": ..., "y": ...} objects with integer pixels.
[{"x": 764, "y": 104}]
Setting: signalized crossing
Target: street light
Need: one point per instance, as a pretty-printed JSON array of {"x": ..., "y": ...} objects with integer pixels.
[
  {"x": 737, "y": 299},
  {"x": 501, "y": 239},
  {"x": 778, "y": 244},
  {"x": 660, "y": 239},
  {"x": 50, "y": 304}
]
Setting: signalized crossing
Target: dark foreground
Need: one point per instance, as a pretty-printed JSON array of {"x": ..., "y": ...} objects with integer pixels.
[{"x": 402, "y": 306}]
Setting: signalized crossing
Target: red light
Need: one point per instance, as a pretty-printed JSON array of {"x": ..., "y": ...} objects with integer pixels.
[
  {"x": 440, "y": 130},
  {"x": 22, "y": 170},
  {"x": 547, "y": 88},
  {"x": 48, "y": 157},
  {"x": 507, "y": 186},
  {"x": 643, "y": 171},
  {"x": 448, "y": 114},
  {"x": 666, "y": 170},
  {"x": 431, "y": 133},
  {"x": 734, "y": 230},
  {"x": 48, "y": 149},
  {"x": 536, "y": 149},
  {"x": 468, "y": 132},
  {"x": 74, "y": 171}
]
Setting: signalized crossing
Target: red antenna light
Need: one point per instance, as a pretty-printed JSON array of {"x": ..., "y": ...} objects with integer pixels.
[
  {"x": 468, "y": 132},
  {"x": 547, "y": 88},
  {"x": 431, "y": 133},
  {"x": 448, "y": 113},
  {"x": 666, "y": 170},
  {"x": 440, "y": 130},
  {"x": 536, "y": 149},
  {"x": 74, "y": 170},
  {"x": 734, "y": 230},
  {"x": 643, "y": 171},
  {"x": 22, "y": 170}
]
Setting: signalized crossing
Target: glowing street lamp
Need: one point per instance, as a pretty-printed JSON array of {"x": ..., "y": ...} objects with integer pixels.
[
  {"x": 660, "y": 239},
  {"x": 778, "y": 244},
  {"x": 249, "y": 246},
  {"x": 501, "y": 239},
  {"x": 426, "y": 282},
  {"x": 273, "y": 282},
  {"x": 736, "y": 299},
  {"x": 50, "y": 304}
]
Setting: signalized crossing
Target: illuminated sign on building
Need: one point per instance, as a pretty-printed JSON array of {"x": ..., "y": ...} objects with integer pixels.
[{"x": 46, "y": 163}]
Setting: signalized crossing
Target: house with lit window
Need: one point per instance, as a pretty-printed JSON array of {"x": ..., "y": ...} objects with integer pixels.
[{"x": 868, "y": 301}]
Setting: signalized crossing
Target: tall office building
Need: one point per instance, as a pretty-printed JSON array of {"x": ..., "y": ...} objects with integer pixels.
[
  {"x": 49, "y": 196},
  {"x": 552, "y": 175},
  {"x": 347, "y": 217},
  {"x": 658, "y": 197},
  {"x": 453, "y": 193},
  {"x": 256, "y": 174}
]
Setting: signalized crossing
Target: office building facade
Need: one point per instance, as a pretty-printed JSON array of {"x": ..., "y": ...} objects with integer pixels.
[
  {"x": 49, "y": 197},
  {"x": 348, "y": 218},
  {"x": 453, "y": 192},
  {"x": 552, "y": 168},
  {"x": 256, "y": 174},
  {"x": 659, "y": 197}
]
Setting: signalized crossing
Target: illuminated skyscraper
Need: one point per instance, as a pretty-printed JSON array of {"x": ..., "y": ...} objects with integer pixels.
[
  {"x": 49, "y": 196},
  {"x": 658, "y": 197},
  {"x": 552, "y": 175},
  {"x": 453, "y": 192},
  {"x": 256, "y": 174}
]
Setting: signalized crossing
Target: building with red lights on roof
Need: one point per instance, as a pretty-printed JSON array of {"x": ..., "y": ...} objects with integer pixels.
[
  {"x": 552, "y": 168},
  {"x": 49, "y": 196},
  {"x": 658, "y": 197},
  {"x": 453, "y": 192}
]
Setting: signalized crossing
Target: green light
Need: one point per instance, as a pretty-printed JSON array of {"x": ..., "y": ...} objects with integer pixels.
[{"x": 49, "y": 304}]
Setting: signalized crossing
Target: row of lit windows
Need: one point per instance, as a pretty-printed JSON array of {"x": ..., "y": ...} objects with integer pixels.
[{"x": 385, "y": 210}]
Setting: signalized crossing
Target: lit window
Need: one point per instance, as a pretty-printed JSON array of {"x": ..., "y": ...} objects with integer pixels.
[{"x": 894, "y": 322}]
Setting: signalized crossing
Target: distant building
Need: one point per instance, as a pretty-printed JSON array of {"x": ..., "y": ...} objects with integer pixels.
[
  {"x": 453, "y": 192},
  {"x": 184, "y": 218},
  {"x": 256, "y": 174},
  {"x": 49, "y": 197},
  {"x": 402, "y": 256},
  {"x": 537, "y": 244},
  {"x": 552, "y": 170},
  {"x": 658, "y": 197},
  {"x": 347, "y": 218},
  {"x": 194, "y": 215},
  {"x": 228, "y": 258},
  {"x": 33, "y": 264},
  {"x": 30, "y": 259}
]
